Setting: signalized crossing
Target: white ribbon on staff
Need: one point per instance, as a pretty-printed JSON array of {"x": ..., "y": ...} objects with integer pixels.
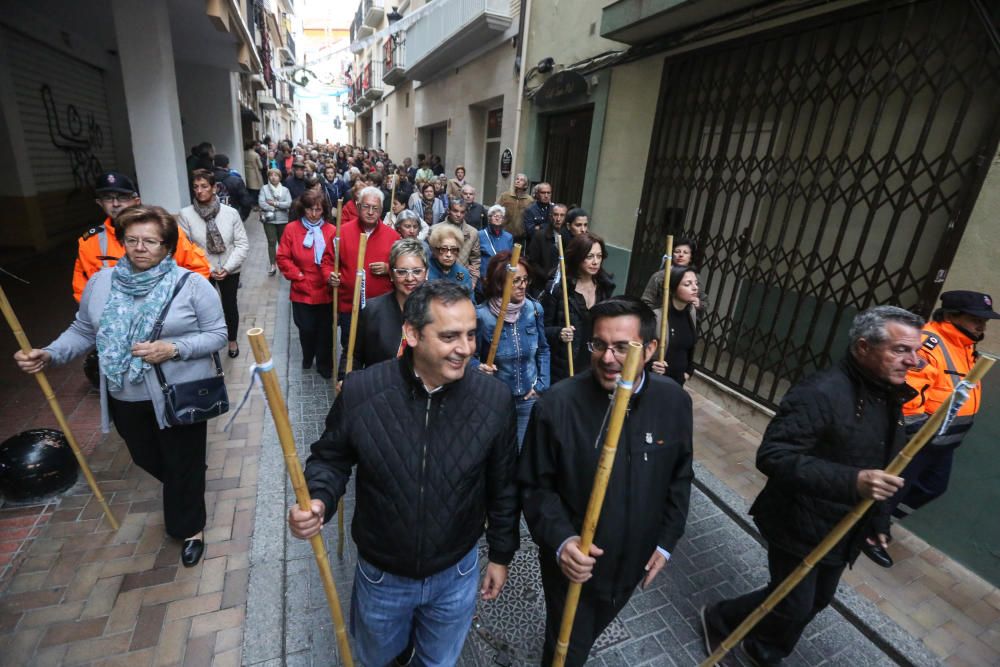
[
  {"x": 955, "y": 403},
  {"x": 255, "y": 371}
]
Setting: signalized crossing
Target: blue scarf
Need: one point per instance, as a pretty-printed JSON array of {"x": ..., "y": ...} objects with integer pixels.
[
  {"x": 123, "y": 325},
  {"x": 314, "y": 238}
]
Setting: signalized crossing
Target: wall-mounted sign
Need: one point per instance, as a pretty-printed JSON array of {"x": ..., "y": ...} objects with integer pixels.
[
  {"x": 563, "y": 88},
  {"x": 506, "y": 162}
]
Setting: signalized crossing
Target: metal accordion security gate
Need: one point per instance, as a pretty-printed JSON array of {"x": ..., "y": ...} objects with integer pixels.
[{"x": 821, "y": 168}]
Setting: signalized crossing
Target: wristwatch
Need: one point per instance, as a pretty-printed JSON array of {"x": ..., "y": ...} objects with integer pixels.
[{"x": 177, "y": 352}]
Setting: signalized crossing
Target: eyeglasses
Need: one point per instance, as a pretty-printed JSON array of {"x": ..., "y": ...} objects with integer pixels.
[
  {"x": 520, "y": 281},
  {"x": 117, "y": 199},
  {"x": 406, "y": 273},
  {"x": 448, "y": 249},
  {"x": 620, "y": 350},
  {"x": 370, "y": 207},
  {"x": 591, "y": 257},
  {"x": 133, "y": 242}
]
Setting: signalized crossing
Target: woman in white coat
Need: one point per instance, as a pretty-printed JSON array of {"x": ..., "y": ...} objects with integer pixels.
[
  {"x": 217, "y": 228},
  {"x": 275, "y": 200}
]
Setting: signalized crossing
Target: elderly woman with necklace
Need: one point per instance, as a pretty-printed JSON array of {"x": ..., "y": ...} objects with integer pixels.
[
  {"x": 218, "y": 229},
  {"x": 117, "y": 313}
]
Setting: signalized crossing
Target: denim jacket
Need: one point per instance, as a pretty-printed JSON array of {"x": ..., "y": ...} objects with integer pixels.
[{"x": 522, "y": 358}]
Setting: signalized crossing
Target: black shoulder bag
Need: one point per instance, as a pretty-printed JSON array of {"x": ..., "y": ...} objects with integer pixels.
[{"x": 197, "y": 400}]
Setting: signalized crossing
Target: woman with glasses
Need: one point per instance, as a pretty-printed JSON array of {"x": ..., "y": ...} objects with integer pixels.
[
  {"x": 683, "y": 325},
  {"x": 304, "y": 259},
  {"x": 587, "y": 283},
  {"x": 117, "y": 315},
  {"x": 522, "y": 358},
  {"x": 492, "y": 240},
  {"x": 446, "y": 242},
  {"x": 218, "y": 229},
  {"x": 409, "y": 226},
  {"x": 380, "y": 323}
]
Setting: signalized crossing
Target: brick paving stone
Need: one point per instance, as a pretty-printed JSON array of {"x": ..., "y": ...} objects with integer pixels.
[{"x": 61, "y": 633}]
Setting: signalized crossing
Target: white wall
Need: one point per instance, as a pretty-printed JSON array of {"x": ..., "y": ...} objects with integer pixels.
[{"x": 210, "y": 110}]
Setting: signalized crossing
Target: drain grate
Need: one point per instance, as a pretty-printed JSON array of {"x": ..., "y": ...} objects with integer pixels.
[{"x": 514, "y": 625}]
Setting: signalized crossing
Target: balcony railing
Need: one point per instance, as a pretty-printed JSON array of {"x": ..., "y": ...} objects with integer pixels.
[
  {"x": 374, "y": 12},
  {"x": 359, "y": 29},
  {"x": 394, "y": 59},
  {"x": 371, "y": 80},
  {"x": 449, "y": 30}
]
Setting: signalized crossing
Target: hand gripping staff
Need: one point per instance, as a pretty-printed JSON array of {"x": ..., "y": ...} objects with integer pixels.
[
  {"x": 515, "y": 257},
  {"x": 351, "y": 339},
  {"x": 275, "y": 401},
  {"x": 623, "y": 392},
  {"x": 50, "y": 396},
  {"x": 336, "y": 297},
  {"x": 936, "y": 423},
  {"x": 664, "y": 328},
  {"x": 565, "y": 292}
]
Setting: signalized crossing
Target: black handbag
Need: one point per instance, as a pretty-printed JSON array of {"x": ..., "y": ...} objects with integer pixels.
[{"x": 196, "y": 400}]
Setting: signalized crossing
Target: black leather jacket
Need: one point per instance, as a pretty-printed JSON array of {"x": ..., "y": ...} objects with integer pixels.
[
  {"x": 432, "y": 469},
  {"x": 380, "y": 332},
  {"x": 828, "y": 428}
]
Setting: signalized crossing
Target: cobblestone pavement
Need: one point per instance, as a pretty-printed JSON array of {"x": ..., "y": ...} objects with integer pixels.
[{"x": 288, "y": 620}]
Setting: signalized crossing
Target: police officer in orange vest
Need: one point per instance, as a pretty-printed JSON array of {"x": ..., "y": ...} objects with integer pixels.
[
  {"x": 100, "y": 248},
  {"x": 946, "y": 356}
]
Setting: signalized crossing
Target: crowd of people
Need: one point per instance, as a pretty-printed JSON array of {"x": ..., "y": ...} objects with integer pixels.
[{"x": 449, "y": 441}]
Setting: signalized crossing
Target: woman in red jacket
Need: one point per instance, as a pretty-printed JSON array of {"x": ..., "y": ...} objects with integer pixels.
[{"x": 303, "y": 258}]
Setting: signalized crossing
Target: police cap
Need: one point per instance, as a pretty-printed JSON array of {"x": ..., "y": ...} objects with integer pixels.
[
  {"x": 112, "y": 181},
  {"x": 971, "y": 303}
]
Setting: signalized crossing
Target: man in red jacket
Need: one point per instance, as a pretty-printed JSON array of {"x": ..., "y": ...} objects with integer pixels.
[{"x": 375, "y": 276}]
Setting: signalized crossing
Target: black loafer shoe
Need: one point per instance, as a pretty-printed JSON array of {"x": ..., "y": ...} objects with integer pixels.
[
  {"x": 234, "y": 353},
  {"x": 712, "y": 636},
  {"x": 192, "y": 551},
  {"x": 877, "y": 554}
]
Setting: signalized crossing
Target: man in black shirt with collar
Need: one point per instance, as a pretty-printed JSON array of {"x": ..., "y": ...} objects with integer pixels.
[{"x": 646, "y": 504}]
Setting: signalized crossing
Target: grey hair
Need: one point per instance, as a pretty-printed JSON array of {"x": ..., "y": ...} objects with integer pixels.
[
  {"x": 870, "y": 324},
  {"x": 372, "y": 191},
  {"x": 534, "y": 190},
  {"x": 521, "y": 175},
  {"x": 496, "y": 208},
  {"x": 407, "y": 247},
  {"x": 417, "y": 309},
  {"x": 439, "y": 232},
  {"x": 468, "y": 187}
]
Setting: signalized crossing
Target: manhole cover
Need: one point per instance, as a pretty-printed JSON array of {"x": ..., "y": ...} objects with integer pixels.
[{"x": 514, "y": 624}]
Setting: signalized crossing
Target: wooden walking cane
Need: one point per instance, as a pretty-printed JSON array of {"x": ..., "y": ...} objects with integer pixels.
[
  {"x": 43, "y": 383},
  {"x": 336, "y": 297},
  {"x": 623, "y": 392},
  {"x": 664, "y": 327},
  {"x": 515, "y": 257},
  {"x": 916, "y": 443},
  {"x": 351, "y": 339},
  {"x": 565, "y": 292},
  {"x": 279, "y": 412},
  {"x": 392, "y": 195}
]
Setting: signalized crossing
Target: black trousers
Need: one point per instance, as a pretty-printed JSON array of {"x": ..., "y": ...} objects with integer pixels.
[
  {"x": 315, "y": 324},
  {"x": 593, "y": 614},
  {"x": 227, "y": 290},
  {"x": 175, "y": 456},
  {"x": 926, "y": 478},
  {"x": 774, "y": 638}
]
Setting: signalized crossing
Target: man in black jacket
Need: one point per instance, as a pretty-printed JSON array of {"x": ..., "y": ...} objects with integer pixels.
[
  {"x": 646, "y": 504},
  {"x": 435, "y": 449},
  {"x": 537, "y": 215},
  {"x": 824, "y": 452}
]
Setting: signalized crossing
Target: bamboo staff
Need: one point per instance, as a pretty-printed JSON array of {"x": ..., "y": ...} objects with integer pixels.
[
  {"x": 515, "y": 257},
  {"x": 664, "y": 328},
  {"x": 392, "y": 196},
  {"x": 916, "y": 443},
  {"x": 565, "y": 293},
  {"x": 351, "y": 339},
  {"x": 619, "y": 408},
  {"x": 336, "y": 297},
  {"x": 43, "y": 383},
  {"x": 280, "y": 414}
]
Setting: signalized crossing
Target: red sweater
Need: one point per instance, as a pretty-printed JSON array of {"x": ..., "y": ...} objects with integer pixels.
[
  {"x": 298, "y": 264},
  {"x": 377, "y": 250}
]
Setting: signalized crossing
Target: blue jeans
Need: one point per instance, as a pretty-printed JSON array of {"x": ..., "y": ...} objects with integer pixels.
[
  {"x": 523, "y": 410},
  {"x": 387, "y": 610}
]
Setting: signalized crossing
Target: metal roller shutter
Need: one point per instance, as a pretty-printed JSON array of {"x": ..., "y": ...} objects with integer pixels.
[{"x": 64, "y": 115}]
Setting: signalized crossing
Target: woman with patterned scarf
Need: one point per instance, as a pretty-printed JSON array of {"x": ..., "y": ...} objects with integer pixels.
[
  {"x": 522, "y": 358},
  {"x": 219, "y": 231},
  {"x": 117, "y": 312},
  {"x": 302, "y": 259}
]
